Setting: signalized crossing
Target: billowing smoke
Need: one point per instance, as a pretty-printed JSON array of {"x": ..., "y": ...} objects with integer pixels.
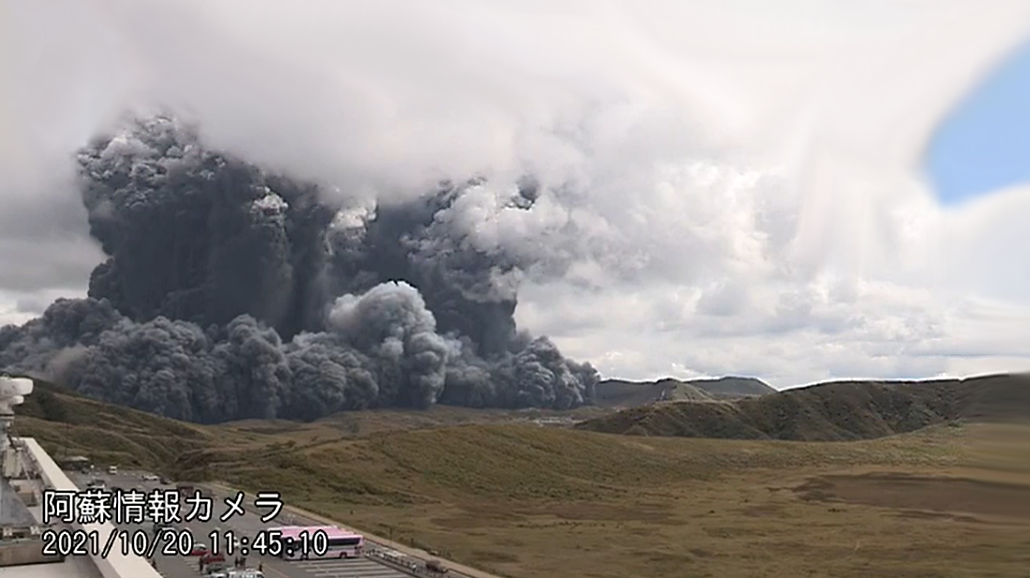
[{"x": 231, "y": 292}]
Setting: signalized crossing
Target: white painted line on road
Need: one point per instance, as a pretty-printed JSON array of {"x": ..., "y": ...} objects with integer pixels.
[
  {"x": 357, "y": 573},
  {"x": 359, "y": 568}
]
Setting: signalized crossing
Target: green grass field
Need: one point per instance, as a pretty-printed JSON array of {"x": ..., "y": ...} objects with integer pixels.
[{"x": 527, "y": 501}]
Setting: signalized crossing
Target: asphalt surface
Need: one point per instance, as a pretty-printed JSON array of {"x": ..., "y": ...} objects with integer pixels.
[{"x": 246, "y": 526}]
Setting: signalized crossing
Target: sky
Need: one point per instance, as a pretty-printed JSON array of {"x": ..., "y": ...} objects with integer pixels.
[
  {"x": 984, "y": 144},
  {"x": 757, "y": 187}
]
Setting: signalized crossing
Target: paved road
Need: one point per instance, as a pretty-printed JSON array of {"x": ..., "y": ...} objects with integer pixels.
[{"x": 248, "y": 526}]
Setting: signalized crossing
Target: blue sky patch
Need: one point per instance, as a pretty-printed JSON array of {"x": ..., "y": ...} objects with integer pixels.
[{"x": 984, "y": 145}]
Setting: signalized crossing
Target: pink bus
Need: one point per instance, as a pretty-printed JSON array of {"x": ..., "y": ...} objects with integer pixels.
[{"x": 321, "y": 542}]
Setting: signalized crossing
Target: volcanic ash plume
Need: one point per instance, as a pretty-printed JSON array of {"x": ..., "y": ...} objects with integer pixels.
[{"x": 229, "y": 292}]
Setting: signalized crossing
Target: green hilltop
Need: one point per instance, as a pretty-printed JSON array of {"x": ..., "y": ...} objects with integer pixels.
[{"x": 835, "y": 411}]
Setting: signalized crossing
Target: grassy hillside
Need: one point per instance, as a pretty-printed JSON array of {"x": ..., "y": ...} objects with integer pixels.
[
  {"x": 832, "y": 411},
  {"x": 527, "y": 501},
  {"x": 70, "y": 424},
  {"x": 619, "y": 393},
  {"x": 732, "y": 387},
  {"x": 67, "y": 423},
  {"x": 622, "y": 393}
]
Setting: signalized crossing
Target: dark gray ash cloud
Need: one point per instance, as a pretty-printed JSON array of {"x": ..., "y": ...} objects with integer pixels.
[{"x": 232, "y": 292}]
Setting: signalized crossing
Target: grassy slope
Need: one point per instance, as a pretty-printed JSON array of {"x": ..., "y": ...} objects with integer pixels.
[
  {"x": 732, "y": 386},
  {"x": 528, "y": 501},
  {"x": 828, "y": 412},
  {"x": 69, "y": 424},
  {"x": 622, "y": 393}
]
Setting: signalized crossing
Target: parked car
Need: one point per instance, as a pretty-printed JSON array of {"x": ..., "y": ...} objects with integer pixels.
[
  {"x": 212, "y": 558},
  {"x": 198, "y": 549}
]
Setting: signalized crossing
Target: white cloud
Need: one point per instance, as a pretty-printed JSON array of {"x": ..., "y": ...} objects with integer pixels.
[{"x": 730, "y": 185}]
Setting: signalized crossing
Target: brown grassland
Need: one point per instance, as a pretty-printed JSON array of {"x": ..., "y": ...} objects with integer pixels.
[{"x": 950, "y": 500}]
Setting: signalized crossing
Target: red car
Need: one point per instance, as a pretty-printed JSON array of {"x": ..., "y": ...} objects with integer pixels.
[
  {"x": 198, "y": 550},
  {"x": 210, "y": 558}
]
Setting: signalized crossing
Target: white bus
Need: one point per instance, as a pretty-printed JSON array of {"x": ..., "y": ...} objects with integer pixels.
[{"x": 321, "y": 542}]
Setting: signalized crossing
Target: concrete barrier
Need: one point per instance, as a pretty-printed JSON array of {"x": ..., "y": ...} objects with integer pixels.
[{"x": 116, "y": 564}]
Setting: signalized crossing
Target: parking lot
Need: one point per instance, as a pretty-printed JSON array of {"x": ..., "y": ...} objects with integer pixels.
[{"x": 362, "y": 568}]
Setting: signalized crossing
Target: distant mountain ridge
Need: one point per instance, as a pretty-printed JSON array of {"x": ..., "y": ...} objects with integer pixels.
[
  {"x": 834, "y": 411},
  {"x": 624, "y": 393}
]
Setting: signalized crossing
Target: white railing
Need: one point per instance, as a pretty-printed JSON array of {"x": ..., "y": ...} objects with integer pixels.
[{"x": 116, "y": 564}]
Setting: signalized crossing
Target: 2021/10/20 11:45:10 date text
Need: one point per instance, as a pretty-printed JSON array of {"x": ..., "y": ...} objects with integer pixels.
[
  {"x": 270, "y": 543},
  {"x": 172, "y": 542}
]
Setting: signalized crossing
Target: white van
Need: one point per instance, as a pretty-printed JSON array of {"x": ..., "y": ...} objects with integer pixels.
[{"x": 112, "y": 470}]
